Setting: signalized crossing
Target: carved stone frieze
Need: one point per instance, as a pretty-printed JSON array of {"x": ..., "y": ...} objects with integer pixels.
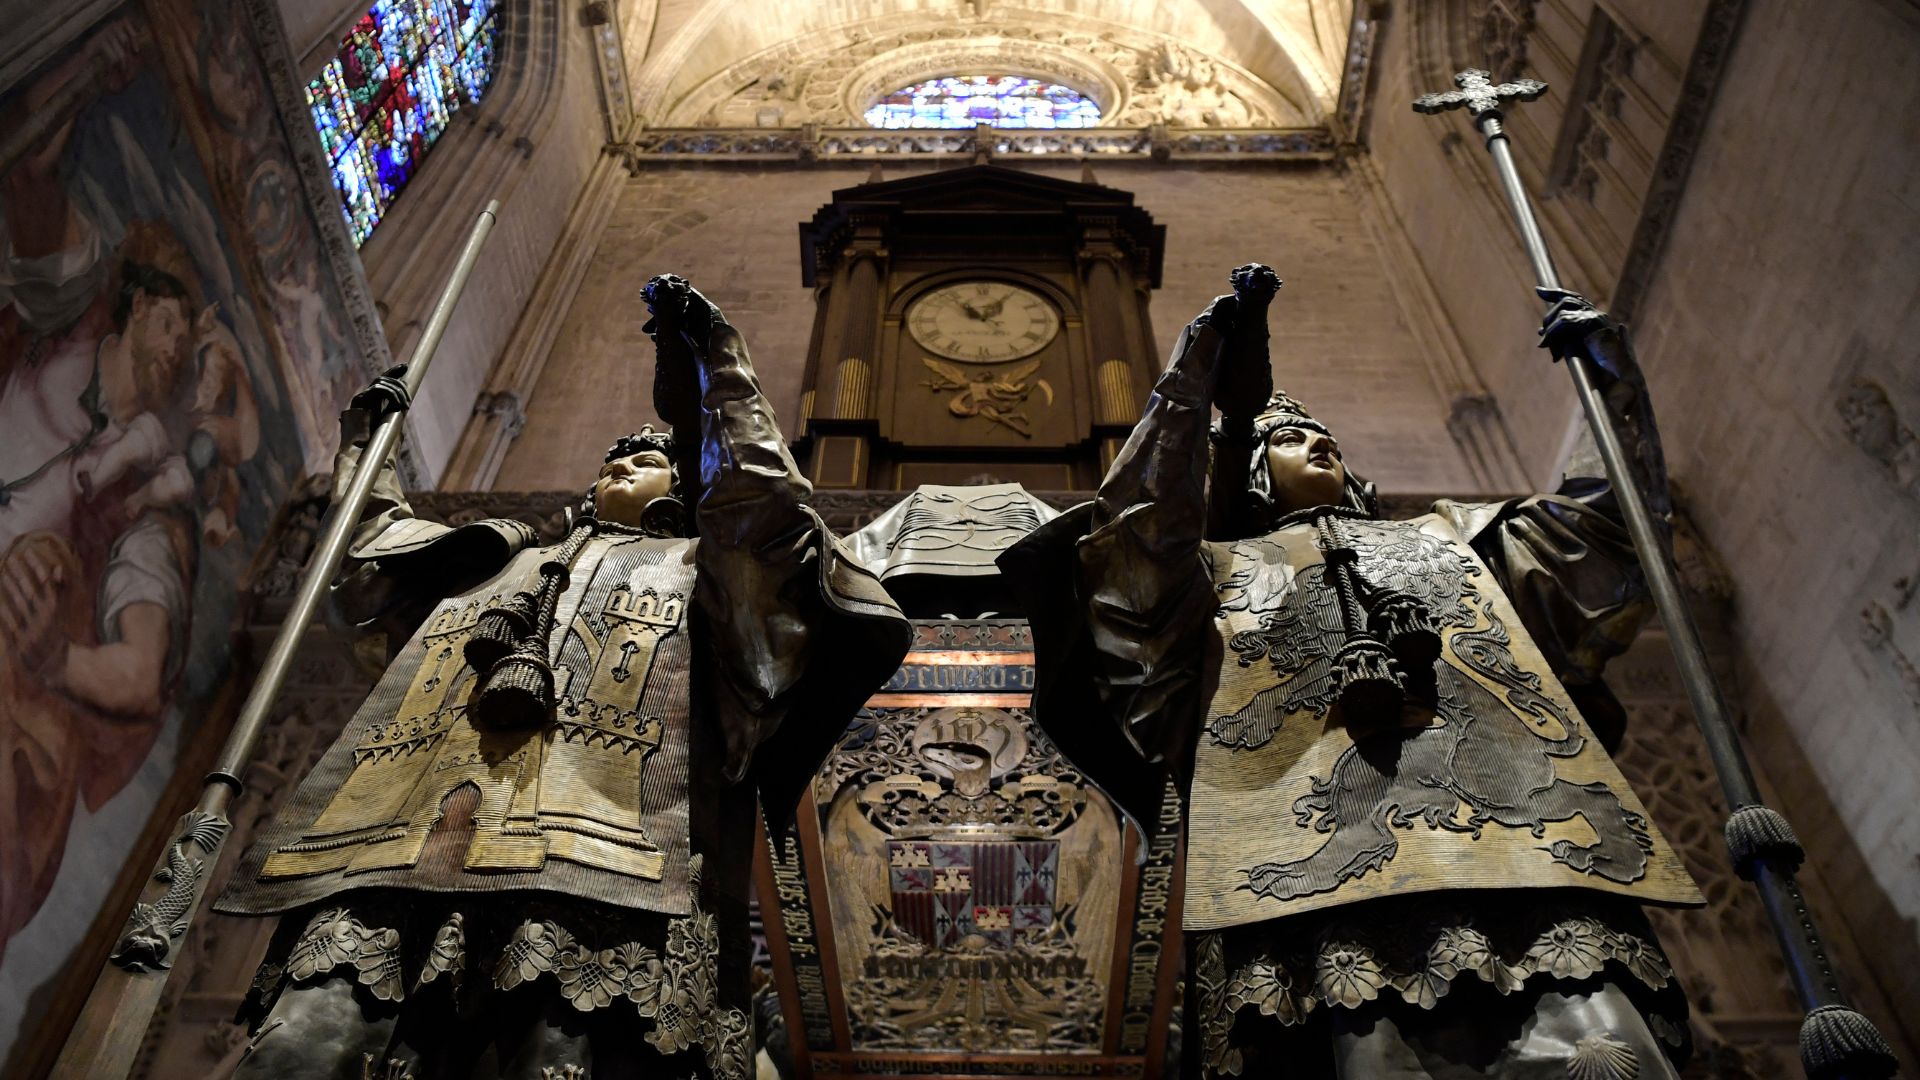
[
  {"x": 809, "y": 143},
  {"x": 1593, "y": 113},
  {"x": 616, "y": 99},
  {"x": 1504, "y": 28},
  {"x": 1139, "y": 78},
  {"x": 1874, "y": 424},
  {"x": 1889, "y": 622},
  {"x": 1356, "y": 90}
]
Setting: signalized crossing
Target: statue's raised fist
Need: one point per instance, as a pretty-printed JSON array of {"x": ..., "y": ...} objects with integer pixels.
[
  {"x": 677, "y": 306},
  {"x": 1255, "y": 283},
  {"x": 666, "y": 296}
]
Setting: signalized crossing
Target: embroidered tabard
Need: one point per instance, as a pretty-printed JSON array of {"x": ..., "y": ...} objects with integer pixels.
[
  {"x": 1492, "y": 780},
  {"x": 592, "y": 804}
]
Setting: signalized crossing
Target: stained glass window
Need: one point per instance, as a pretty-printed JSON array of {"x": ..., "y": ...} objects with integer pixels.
[
  {"x": 1006, "y": 101},
  {"x": 383, "y": 100}
]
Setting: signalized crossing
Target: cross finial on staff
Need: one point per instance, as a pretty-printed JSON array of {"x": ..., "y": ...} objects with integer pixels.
[{"x": 1479, "y": 94}]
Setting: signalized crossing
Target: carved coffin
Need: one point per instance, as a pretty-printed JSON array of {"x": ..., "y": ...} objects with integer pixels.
[{"x": 957, "y": 898}]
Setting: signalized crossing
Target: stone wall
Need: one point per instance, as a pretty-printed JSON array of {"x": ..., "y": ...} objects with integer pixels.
[
  {"x": 532, "y": 143},
  {"x": 1783, "y": 324},
  {"x": 1344, "y": 342}
]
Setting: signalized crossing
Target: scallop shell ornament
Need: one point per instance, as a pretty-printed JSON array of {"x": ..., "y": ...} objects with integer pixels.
[{"x": 1597, "y": 1057}]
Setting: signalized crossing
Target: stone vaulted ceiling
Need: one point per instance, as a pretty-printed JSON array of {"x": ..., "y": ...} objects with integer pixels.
[{"x": 1186, "y": 63}]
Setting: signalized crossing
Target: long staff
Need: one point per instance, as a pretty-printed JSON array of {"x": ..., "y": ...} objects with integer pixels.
[
  {"x": 108, "y": 1034},
  {"x": 1836, "y": 1042}
]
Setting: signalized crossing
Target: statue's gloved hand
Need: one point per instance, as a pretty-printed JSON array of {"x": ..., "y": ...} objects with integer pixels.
[
  {"x": 385, "y": 394},
  {"x": 1573, "y": 326},
  {"x": 1255, "y": 284},
  {"x": 1245, "y": 379},
  {"x": 677, "y": 308},
  {"x": 681, "y": 326}
]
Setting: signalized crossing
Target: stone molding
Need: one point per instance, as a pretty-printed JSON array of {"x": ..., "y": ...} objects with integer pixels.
[
  {"x": 809, "y": 144},
  {"x": 1718, "y": 30},
  {"x": 1356, "y": 79}
]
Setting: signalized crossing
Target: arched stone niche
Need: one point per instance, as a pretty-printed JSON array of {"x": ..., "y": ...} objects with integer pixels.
[
  {"x": 1138, "y": 78},
  {"x": 1088, "y": 75}
]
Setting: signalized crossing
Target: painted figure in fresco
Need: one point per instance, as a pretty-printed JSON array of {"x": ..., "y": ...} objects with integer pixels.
[
  {"x": 1407, "y": 851},
  {"x": 530, "y": 849},
  {"x": 127, "y": 407}
]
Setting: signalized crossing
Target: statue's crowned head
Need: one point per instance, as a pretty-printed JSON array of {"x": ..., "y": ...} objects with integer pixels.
[
  {"x": 640, "y": 485},
  {"x": 1295, "y": 464}
]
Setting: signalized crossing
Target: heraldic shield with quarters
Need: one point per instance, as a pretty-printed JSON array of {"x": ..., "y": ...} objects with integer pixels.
[
  {"x": 540, "y": 826},
  {"x": 1404, "y": 835}
]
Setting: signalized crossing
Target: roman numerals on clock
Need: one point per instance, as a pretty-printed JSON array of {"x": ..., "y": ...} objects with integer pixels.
[{"x": 983, "y": 322}]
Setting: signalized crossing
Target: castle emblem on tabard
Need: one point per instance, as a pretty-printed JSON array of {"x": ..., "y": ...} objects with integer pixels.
[{"x": 999, "y": 890}]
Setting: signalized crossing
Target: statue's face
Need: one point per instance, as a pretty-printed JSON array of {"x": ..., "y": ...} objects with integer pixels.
[
  {"x": 1305, "y": 469},
  {"x": 626, "y": 485}
]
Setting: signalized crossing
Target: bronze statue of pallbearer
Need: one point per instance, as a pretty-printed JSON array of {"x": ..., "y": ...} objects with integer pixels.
[
  {"x": 528, "y": 854},
  {"x": 1407, "y": 851}
]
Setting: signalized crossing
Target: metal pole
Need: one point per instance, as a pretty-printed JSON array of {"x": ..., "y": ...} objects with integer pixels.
[
  {"x": 1836, "y": 1042},
  {"x": 107, "y": 1037},
  {"x": 1807, "y": 964}
]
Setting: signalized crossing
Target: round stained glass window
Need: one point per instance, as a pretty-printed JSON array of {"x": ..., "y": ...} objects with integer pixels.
[{"x": 1004, "y": 101}]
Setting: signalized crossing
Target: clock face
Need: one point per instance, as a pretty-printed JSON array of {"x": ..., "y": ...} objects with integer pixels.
[{"x": 983, "y": 322}]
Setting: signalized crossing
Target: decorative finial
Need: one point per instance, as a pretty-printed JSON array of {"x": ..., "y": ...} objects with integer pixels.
[{"x": 1479, "y": 94}]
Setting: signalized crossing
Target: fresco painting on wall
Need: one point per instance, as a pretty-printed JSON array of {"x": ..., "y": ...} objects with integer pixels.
[
  {"x": 147, "y": 435},
  {"x": 252, "y": 167}
]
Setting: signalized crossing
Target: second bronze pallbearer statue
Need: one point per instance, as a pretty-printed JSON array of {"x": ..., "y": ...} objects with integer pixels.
[
  {"x": 1408, "y": 853},
  {"x": 528, "y": 854}
]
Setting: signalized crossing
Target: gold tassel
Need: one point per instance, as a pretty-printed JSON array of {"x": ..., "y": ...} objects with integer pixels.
[
  {"x": 1407, "y": 626},
  {"x": 519, "y": 690},
  {"x": 498, "y": 630},
  {"x": 1370, "y": 685}
]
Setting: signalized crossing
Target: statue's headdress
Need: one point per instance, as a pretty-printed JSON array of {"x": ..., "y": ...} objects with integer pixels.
[
  {"x": 1253, "y": 512},
  {"x": 1284, "y": 410},
  {"x": 644, "y": 439}
]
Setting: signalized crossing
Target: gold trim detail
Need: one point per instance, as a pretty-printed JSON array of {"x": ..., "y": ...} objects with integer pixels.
[
  {"x": 678, "y": 989},
  {"x": 1116, "y": 393},
  {"x": 855, "y": 380},
  {"x": 1345, "y": 971}
]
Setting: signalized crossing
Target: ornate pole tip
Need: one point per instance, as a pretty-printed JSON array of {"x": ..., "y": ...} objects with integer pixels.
[
  {"x": 1479, "y": 94},
  {"x": 1837, "y": 1043}
]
